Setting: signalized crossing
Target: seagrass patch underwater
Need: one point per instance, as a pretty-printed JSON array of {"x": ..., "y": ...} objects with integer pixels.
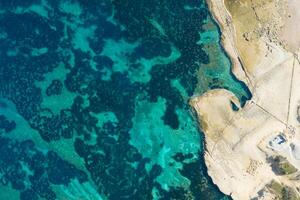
[{"x": 94, "y": 98}]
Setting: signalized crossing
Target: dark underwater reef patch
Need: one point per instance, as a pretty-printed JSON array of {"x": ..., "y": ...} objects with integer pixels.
[
  {"x": 32, "y": 171},
  {"x": 92, "y": 73}
]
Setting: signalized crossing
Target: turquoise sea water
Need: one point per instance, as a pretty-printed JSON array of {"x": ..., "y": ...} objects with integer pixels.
[{"x": 94, "y": 98}]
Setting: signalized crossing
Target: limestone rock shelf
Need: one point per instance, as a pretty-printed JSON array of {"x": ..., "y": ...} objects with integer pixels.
[{"x": 243, "y": 143}]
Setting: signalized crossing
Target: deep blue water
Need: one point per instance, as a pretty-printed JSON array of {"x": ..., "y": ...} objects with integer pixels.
[{"x": 94, "y": 98}]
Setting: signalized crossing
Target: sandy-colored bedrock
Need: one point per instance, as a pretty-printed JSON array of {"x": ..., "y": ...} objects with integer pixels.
[
  {"x": 291, "y": 30},
  {"x": 261, "y": 38}
]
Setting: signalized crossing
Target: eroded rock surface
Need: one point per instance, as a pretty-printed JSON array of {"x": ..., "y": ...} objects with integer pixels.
[{"x": 261, "y": 39}]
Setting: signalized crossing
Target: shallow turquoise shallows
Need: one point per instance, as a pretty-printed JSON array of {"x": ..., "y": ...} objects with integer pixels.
[{"x": 94, "y": 98}]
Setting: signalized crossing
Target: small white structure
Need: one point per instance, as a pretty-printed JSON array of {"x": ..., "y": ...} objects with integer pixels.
[{"x": 278, "y": 142}]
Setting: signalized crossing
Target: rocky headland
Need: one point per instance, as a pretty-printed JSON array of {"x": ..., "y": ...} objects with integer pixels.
[{"x": 253, "y": 151}]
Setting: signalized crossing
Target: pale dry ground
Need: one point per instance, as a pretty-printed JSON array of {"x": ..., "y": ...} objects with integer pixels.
[
  {"x": 262, "y": 38},
  {"x": 291, "y": 31}
]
